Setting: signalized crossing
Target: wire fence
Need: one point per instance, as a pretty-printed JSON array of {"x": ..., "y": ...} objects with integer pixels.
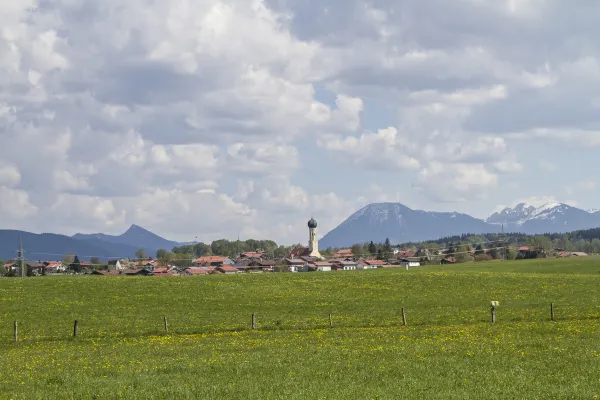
[{"x": 196, "y": 321}]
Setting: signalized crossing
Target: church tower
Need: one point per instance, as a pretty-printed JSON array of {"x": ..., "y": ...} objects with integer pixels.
[{"x": 313, "y": 242}]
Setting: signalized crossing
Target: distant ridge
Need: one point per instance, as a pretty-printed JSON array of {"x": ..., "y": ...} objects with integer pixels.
[
  {"x": 402, "y": 224},
  {"x": 49, "y": 246}
]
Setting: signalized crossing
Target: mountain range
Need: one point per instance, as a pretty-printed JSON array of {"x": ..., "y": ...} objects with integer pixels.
[
  {"x": 401, "y": 224},
  {"x": 49, "y": 246},
  {"x": 374, "y": 222}
]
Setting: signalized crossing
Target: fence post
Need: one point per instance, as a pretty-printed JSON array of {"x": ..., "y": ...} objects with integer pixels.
[
  {"x": 166, "y": 324},
  {"x": 330, "y": 321},
  {"x": 253, "y": 321},
  {"x": 75, "y": 328},
  {"x": 16, "y": 331},
  {"x": 403, "y": 317},
  {"x": 493, "y": 314},
  {"x": 552, "y": 311}
]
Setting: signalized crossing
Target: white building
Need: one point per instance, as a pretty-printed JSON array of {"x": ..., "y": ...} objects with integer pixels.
[{"x": 410, "y": 262}]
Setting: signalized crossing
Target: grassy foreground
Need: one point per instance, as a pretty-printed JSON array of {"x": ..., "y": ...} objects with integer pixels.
[{"x": 449, "y": 350}]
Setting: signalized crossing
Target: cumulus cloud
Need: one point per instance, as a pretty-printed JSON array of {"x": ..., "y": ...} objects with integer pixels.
[{"x": 203, "y": 117}]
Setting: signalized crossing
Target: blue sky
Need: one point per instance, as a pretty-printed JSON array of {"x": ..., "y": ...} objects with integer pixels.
[{"x": 205, "y": 118}]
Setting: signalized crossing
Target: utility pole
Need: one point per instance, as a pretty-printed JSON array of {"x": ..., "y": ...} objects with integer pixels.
[
  {"x": 21, "y": 260},
  {"x": 504, "y": 243}
]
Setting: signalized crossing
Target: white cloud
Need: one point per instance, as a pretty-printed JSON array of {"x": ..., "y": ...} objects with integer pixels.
[
  {"x": 384, "y": 149},
  {"x": 115, "y": 112},
  {"x": 456, "y": 182}
]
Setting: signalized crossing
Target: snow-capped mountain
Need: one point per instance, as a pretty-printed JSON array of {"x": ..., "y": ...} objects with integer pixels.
[
  {"x": 551, "y": 217},
  {"x": 401, "y": 224}
]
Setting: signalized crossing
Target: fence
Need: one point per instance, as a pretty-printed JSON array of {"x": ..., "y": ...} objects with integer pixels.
[{"x": 25, "y": 330}]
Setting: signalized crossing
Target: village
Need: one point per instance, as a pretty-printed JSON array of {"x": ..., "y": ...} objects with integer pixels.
[{"x": 301, "y": 259}]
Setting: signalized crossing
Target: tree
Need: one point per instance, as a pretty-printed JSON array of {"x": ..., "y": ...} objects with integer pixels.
[
  {"x": 184, "y": 260},
  {"x": 165, "y": 257},
  {"x": 372, "y": 248},
  {"x": 357, "y": 250},
  {"x": 161, "y": 253},
  {"x": 140, "y": 254},
  {"x": 3, "y": 269},
  {"x": 380, "y": 255},
  {"x": 68, "y": 259},
  {"x": 76, "y": 265},
  {"x": 95, "y": 262},
  {"x": 479, "y": 250},
  {"x": 387, "y": 247}
]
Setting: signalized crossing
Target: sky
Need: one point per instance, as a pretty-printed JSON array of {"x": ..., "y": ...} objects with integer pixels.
[{"x": 208, "y": 119}]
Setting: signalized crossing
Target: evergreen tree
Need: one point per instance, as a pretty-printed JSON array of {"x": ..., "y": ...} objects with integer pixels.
[
  {"x": 372, "y": 248},
  {"x": 76, "y": 265}
]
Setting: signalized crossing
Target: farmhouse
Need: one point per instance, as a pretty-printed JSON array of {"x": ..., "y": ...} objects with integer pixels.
[
  {"x": 196, "y": 271},
  {"x": 214, "y": 261},
  {"x": 344, "y": 265},
  {"x": 227, "y": 269},
  {"x": 370, "y": 264},
  {"x": 296, "y": 265},
  {"x": 343, "y": 253},
  {"x": 321, "y": 266},
  {"x": 115, "y": 265},
  {"x": 137, "y": 272},
  {"x": 410, "y": 262}
]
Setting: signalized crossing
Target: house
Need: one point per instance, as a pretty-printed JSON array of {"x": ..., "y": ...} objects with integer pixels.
[
  {"x": 343, "y": 253},
  {"x": 252, "y": 254},
  {"x": 214, "y": 261},
  {"x": 164, "y": 271},
  {"x": 370, "y": 264},
  {"x": 196, "y": 271},
  {"x": 227, "y": 269},
  {"x": 321, "y": 266},
  {"x": 137, "y": 272},
  {"x": 296, "y": 265},
  {"x": 260, "y": 266},
  {"x": 87, "y": 265},
  {"x": 410, "y": 262},
  {"x": 115, "y": 265},
  {"x": 300, "y": 251},
  {"x": 106, "y": 273},
  {"x": 448, "y": 260},
  {"x": 10, "y": 267},
  {"x": 344, "y": 265},
  {"x": 54, "y": 267},
  {"x": 405, "y": 254}
]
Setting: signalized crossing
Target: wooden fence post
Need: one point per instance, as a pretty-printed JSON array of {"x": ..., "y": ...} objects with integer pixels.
[
  {"x": 403, "y": 317},
  {"x": 166, "y": 324},
  {"x": 75, "y": 328},
  {"x": 16, "y": 331},
  {"x": 493, "y": 314},
  {"x": 330, "y": 321},
  {"x": 552, "y": 311},
  {"x": 253, "y": 321}
]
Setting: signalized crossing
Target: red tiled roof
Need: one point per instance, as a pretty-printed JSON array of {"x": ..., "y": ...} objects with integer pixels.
[
  {"x": 228, "y": 268},
  {"x": 343, "y": 252},
  {"x": 197, "y": 271},
  {"x": 322, "y": 264},
  {"x": 209, "y": 259},
  {"x": 524, "y": 248},
  {"x": 374, "y": 262},
  {"x": 252, "y": 254},
  {"x": 406, "y": 253}
]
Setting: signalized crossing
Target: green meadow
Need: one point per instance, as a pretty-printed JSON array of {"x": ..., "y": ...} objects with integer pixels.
[{"x": 448, "y": 350}]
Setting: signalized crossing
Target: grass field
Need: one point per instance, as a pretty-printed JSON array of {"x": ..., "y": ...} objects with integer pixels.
[{"x": 449, "y": 350}]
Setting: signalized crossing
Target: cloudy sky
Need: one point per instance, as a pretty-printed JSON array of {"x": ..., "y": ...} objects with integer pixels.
[{"x": 209, "y": 118}]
